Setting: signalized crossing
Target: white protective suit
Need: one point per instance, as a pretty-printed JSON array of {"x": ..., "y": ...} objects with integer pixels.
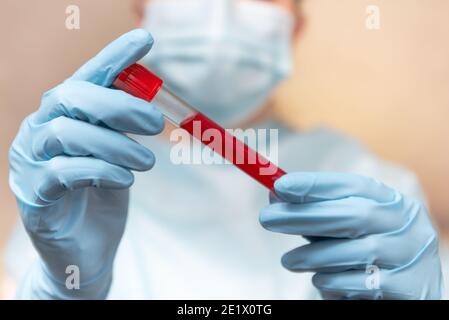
[{"x": 193, "y": 230}]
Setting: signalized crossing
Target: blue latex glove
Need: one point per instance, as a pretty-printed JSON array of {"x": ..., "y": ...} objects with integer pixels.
[
  {"x": 71, "y": 169},
  {"x": 366, "y": 240}
]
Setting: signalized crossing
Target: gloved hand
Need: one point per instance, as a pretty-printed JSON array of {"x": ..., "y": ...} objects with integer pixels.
[
  {"x": 70, "y": 169},
  {"x": 366, "y": 240}
]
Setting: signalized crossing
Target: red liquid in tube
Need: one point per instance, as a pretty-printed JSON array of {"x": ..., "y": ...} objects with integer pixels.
[{"x": 235, "y": 151}]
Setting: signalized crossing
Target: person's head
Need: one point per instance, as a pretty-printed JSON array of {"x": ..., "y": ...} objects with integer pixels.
[{"x": 224, "y": 56}]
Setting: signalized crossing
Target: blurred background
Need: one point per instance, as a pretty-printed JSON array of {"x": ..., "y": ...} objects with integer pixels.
[{"x": 389, "y": 88}]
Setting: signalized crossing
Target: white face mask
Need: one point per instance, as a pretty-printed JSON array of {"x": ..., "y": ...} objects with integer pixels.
[{"x": 224, "y": 57}]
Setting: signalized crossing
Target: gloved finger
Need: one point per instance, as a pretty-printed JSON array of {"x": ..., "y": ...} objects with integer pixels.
[
  {"x": 344, "y": 218},
  {"x": 65, "y": 136},
  {"x": 118, "y": 55},
  {"x": 385, "y": 250},
  {"x": 338, "y": 255},
  {"x": 100, "y": 106},
  {"x": 353, "y": 284},
  {"x": 372, "y": 283},
  {"x": 303, "y": 187},
  {"x": 70, "y": 173}
]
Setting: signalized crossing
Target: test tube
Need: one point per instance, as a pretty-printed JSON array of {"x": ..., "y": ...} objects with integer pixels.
[{"x": 142, "y": 83}]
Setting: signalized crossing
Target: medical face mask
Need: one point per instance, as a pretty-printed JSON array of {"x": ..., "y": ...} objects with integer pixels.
[{"x": 225, "y": 57}]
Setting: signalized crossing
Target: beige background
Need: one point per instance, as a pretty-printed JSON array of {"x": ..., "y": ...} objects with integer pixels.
[{"x": 389, "y": 88}]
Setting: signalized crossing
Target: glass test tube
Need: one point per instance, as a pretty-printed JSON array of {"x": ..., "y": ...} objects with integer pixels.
[{"x": 142, "y": 83}]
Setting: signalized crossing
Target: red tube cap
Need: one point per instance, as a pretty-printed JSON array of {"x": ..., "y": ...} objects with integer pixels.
[{"x": 139, "y": 82}]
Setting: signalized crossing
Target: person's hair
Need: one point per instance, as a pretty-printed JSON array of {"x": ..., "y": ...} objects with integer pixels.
[{"x": 297, "y": 4}]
